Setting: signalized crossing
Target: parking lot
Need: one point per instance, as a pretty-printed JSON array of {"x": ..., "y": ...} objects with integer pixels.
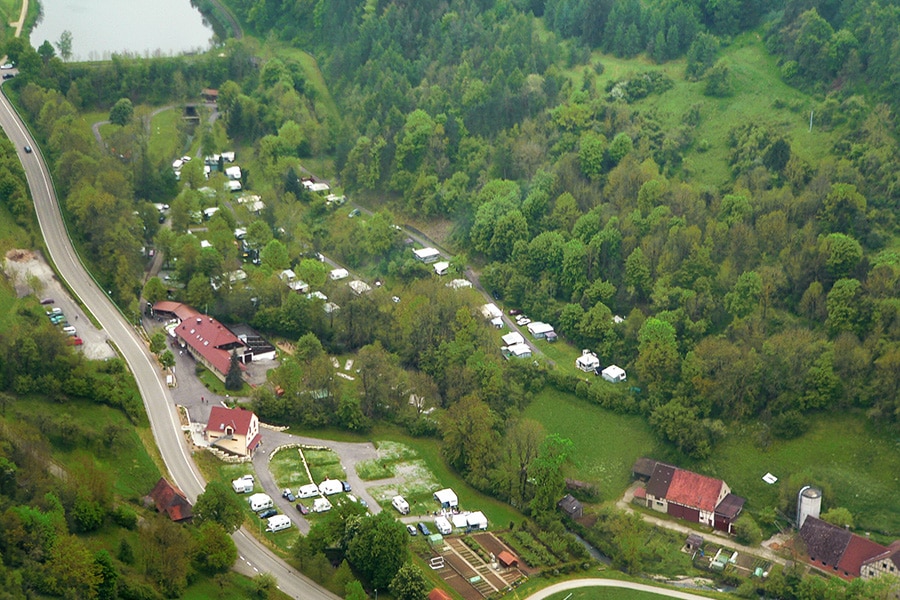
[{"x": 30, "y": 274}]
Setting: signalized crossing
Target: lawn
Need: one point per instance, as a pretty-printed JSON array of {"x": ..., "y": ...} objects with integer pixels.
[
  {"x": 607, "y": 593},
  {"x": 418, "y": 487},
  {"x": 228, "y": 586},
  {"x": 857, "y": 466},
  {"x": 165, "y": 142},
  {"x": 390, "y": 456},
  {"x": 606, "y": 443},
  {"x": 324, "y": 464},
  {"x": 287, "y": 469}
]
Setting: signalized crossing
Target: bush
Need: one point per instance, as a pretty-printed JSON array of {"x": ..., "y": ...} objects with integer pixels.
[
  {"x": 747, "y": 531},
  {"x": 124, "y": 517}
]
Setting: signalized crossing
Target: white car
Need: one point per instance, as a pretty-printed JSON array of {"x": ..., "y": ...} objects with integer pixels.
[{"x": 7, "y": 66}]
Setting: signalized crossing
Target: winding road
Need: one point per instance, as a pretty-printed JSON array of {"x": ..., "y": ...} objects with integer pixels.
[{"x": 164, "y": 422}]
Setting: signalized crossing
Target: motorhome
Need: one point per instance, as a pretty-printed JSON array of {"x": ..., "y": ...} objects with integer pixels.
[
  {"x": 400, "y": 504},
  {"x": 278, "y": 523},
  {"x": 260, "y": 502},
  {"x": 310, "y": 490},
  {"x": 443, "y": 525}
]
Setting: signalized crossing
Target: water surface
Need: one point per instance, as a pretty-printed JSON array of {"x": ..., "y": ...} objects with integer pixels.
[{"x": 138, "y": 27}]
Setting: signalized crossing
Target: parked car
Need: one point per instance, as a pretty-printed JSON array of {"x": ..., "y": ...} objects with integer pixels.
[
  {"x": 514, "y": 311},
  {"x": 424, "y": 529},
  {"x": 8, "y": 75},
  {"x": 302, "y": 508},
  {"x": 269, "y": 512},
  {"x": 76, "y": 341},
  {"x": 47, "y": 301},
  {"x": 7, "y": 66},
  {"x": 411, "y": 530},
  {"x": 288, "y": 495},
  {"x": 54, "y": 311},
  {"x": 57, "y": 319},
  {"x": 346, "y": 486}
]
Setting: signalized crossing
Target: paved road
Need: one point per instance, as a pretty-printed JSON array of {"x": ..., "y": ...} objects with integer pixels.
[
  {"x": 583, "y": 583},
  {"x": 157, "y": 400}
]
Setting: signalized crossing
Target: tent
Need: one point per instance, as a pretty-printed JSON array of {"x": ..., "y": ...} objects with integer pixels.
[
  {"x": 459, "y": 521},
  {"x": 446, "y": 498},
  {"x": 613, "y": 374}
]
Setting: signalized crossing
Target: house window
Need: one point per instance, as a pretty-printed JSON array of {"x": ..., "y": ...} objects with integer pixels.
[
  {"x": 884, "y": 565},
  {"x": 871, "y": 573}
]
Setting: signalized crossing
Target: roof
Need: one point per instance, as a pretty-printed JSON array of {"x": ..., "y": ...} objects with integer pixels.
[
  {"x": 892, "y": 554},
  {"x": 659, "y": 482},
  {"x": 439, "y": 594},
  {"x": 513, "y": 338},
  {"x": 237, "y": 418},
  {"x": 613, "y": 371},
  {"x": 694, "y": 490},
  {"x": 569, "y": 505},
  {"x": 537, "y": 328},
  {"x": 426, "y": 253},
  {"x": 170, "y": 500},
  {"x": 858, "y": 551},
  {"x": 507, "y": 559},
  {"x": 824, "y": 542},
  {"x": 730, "y": 506},
  {"x": 182, "y": 311},
  {"x": 640, "y": 492},
  {"x": 519, "y": 350},
  {"x": 210, "y": 339},
  {"x": 643, "y": 467},
  {"x": 446, "y": 495}
]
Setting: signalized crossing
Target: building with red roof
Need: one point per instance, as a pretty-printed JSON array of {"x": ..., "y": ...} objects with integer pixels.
[
  {"x": 688, "y": 495},
  {"x": 439, "y": 594},
  {"x": 174, "y": 310},
  {"x": 837, "y": 551},
  {"x": 170, "y": 500},
  {"x": 234, "y": 430},
  {"x": 209, "y": 342}
]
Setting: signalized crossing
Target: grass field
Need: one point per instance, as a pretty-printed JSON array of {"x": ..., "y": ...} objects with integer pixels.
[
  {"x": 606, "y": 593},
  {"x": 606, "y": 443},
  {"x": 857, "y": 466},
  {"x": 287, "y": 469},
  {"x": 760, "y": 96},
  {"x": 324, "y": 464}
]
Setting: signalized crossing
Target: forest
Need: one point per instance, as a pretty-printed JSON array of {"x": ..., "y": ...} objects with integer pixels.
[{"x": 579, "y": 189}]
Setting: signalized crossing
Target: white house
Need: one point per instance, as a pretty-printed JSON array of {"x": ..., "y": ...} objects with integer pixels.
[
  {"x": 539, "y": 330},
  {"x": 517, "y": 351},
  {"x": 427, "y": 255},
  {"x": 588, "y": 361},
  {"x": 490, "y": 311},
  {"x": 442, "y": 267},
  {"x": 613, "y": 374},
  {"x": 337, "y": 274},
  {"x": 446, "y": 498},
  {"x": 513, "y": 338}
]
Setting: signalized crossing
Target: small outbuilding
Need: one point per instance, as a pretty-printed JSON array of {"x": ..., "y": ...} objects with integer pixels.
[
  {"x": 613, "y": 374},
  {"x": 170, "y": 500},
  {"x": 507, "y": 559},
  {"x": 442, "y": 267},
  {"x": 571, "y": 507},
  {"x": 588, "y": 361},
  {"x": 427, "y": 255},
  {"x": 439, "y": 594}
]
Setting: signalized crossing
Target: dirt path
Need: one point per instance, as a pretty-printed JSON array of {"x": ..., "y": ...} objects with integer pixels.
[{"x": 21, "y": 22}]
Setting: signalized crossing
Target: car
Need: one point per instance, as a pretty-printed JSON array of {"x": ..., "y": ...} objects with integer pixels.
[
  {"x": 54, "y": 311},
  {"x": 424, "y": 529},
  {"x": 302, "y": 508},
  {"x": 288, "y": 495},
  {"x": 76, "y": 341},
  {"x": 162, "y": 218},
  {"x": 47, "y": 301},
  {"x": 411, "y": 530},
  {"x": 57, "y": 319},
  {"x": 27, "y": 149},
  {"x": 354, "y": 213},
  {"x": 346, "y": 486},
  {"x": 395, "y": 299},
  {"x": 7, "y": 66},
  {"x": 522, "y": 322},
  {"x": 8, "y": 75},
  {"x": 514, "y": 311},
  {"x": 269, "y": 512}
]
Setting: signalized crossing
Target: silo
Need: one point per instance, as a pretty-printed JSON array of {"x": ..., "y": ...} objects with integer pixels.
[{"x": 809, "y": 503}]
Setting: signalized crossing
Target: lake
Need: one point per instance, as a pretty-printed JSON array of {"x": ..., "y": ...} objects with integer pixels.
[{"x": 139, "y": 27}]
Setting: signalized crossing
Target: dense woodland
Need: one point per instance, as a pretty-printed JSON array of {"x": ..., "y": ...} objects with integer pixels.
[{"x": 767, "y": 298}]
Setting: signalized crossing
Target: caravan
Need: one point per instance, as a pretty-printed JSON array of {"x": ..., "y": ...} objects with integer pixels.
[
  {"x": 278, "y": 523},
  {"x": 310, "y": 490},
  {"x": 443, "y": 525},
  {"x": 400, "y": 504},
  {"x": 242, "y": 485},
  {"x": 260, "y": 502}
]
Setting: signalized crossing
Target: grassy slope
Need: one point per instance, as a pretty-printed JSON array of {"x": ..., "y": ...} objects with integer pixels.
[{"x": 757, "y": 87}]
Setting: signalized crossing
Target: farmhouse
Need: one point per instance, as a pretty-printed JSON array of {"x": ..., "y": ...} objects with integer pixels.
[
  {"x": 427, "y": 255},
  {"x": 170, "y": 500},
  {"x": 613, "y": 374},
  {"x": 234, "y": 430},
  {"x": 588, "y": 361},
  {"x": 847, "y": 555},
  {"x": 691, "y": 496}
]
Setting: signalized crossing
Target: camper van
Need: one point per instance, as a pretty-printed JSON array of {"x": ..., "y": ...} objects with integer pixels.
[
  {"x": 310, "y": 490},
  {"x": 400, "y": 504},
  {"x": 260, "y": 502},
  {"x": 443, "y": 525},
  {"x": 278, "y": 523},
  {"x": 321, "y": 505},
  {"x": 242, "y": 485}
]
